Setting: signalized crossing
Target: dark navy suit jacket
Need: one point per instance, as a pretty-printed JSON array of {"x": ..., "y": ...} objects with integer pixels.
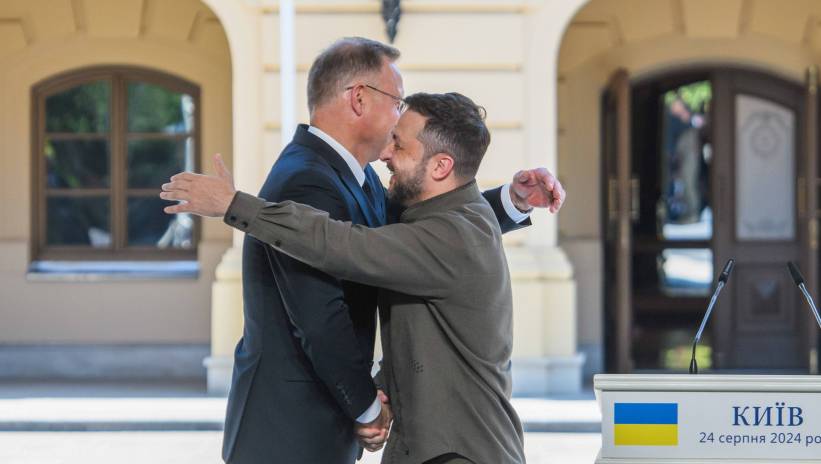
[{"x": 302, "y": 368}]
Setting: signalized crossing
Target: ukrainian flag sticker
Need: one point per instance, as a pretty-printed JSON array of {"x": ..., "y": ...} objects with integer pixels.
[{"x": 646, "y": 424}]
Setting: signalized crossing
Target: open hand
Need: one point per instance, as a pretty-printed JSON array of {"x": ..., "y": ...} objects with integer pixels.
[{"x": 201, "y": 194}]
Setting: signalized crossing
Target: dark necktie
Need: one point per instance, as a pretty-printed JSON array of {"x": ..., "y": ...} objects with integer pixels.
[
  {"x": 376, "y": 203},
  {"x": 366, "y": 187}
]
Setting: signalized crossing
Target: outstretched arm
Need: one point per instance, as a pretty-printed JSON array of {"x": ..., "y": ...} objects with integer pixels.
[
  {"x": 407, "y": 258},
  {"x": 415, "y": 250}
]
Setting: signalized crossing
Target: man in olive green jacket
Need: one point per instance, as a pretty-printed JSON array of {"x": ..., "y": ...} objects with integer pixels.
[{"x": 446, "y": 305}]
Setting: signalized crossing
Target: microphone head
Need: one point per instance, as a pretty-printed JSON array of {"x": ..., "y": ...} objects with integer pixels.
[
  {"x": 795, "y": 273},
  {"x": 725, "y": 274}
]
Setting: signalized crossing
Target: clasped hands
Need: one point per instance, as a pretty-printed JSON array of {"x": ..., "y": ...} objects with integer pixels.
[{"x": 373, "y": 435}]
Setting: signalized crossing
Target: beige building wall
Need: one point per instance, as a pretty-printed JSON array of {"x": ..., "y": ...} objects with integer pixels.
[
  {"x": 42, "y": 38},
  {"x": 646, "y": 37},
  {"x": 517, "y": 58}
]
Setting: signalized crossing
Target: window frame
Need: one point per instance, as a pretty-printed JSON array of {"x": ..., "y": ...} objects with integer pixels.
[{"x": 118, "y": 137}]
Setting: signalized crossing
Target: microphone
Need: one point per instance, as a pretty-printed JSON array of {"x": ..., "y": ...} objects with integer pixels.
[
  {"x": 722, "y": 281},
  {"x": 799, "y": 281}
]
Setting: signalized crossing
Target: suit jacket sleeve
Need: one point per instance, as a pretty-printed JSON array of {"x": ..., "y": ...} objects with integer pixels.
[
  {"x": 379, "y": 379},
  {"x": 407, "y": 258},
  {"x": 317, "y": 309},
  {"x": 494, "y": 197}
]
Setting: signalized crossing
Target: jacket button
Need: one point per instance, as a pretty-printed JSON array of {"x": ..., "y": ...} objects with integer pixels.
[
  {"x": 277, "y": 243},
  {"x": 232, "y": 218},
  {"x": 244, "y": 224}
]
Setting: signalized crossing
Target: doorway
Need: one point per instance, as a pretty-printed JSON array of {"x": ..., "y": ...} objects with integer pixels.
[{"x": 699, "y": 167}]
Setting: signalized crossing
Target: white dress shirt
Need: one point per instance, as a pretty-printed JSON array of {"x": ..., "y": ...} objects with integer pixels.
[{"x": 356, "y": 169}]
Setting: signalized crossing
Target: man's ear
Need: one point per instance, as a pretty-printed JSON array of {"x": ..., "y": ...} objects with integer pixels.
[
  {"x": 442, "y": 165},
  {"x": 355, "y": 100}
]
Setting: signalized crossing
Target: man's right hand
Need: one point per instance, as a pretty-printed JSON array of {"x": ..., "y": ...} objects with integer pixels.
[
  {"x": 373, "y": 435},
  {"x": 537, "y": 188}
]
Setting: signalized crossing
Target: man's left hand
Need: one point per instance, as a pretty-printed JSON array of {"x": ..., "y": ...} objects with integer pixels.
[
  {"x": 537, "y": 188},
  {"x": 201, "y": 194}
]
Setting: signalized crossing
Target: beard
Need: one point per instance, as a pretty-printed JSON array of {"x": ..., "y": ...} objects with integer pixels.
[{"x": 406, "y": 188}]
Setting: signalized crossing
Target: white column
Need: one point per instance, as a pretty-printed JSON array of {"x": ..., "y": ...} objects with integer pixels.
[
  {"x": 287, "y": 70},
  {"x": 546, "y": 358},
  {"x": 546, "y": 24},
  {"x": 240, "y": 19}
]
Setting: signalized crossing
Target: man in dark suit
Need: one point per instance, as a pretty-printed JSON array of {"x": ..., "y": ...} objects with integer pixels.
[{"x": 302, "y": 383}]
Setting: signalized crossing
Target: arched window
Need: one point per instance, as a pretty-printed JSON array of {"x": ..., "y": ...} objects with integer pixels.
[{"x": 104, "y": 141}]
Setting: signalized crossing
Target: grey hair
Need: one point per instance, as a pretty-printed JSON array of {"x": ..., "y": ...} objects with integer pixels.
[{"x": 343, "y": 61}]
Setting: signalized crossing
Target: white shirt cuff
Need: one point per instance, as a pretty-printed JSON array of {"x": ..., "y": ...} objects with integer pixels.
[
  {"x": 371, "y": 413},
  {"x": 511, "y": 210}
]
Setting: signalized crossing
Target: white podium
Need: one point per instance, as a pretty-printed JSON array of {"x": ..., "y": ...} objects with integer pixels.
[{"x": 709, "y": 419}]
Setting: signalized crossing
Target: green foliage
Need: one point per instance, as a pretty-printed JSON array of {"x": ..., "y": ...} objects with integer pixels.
[
  {"x": 81, "y": 109},
  {"x": 696, "y": 96},
  {"x": 152, "y": 108}
]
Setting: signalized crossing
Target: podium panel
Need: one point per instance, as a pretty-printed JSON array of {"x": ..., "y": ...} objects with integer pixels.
[{"x": 709, "y": 418}]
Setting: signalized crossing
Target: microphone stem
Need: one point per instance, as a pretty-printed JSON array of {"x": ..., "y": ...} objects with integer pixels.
[
  {"x": 693, "y": 363},
  {"x": 806, "y": 293},
  {"x": 709, "y": 310}
]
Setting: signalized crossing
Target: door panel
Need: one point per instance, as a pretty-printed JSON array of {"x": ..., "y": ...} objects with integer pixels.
[
  {"x": 808, "y": 204},
  {"x": 618, "y": 196},
  {"x": 766, "y": 292},
  {"x": 764, "y": 170},
  {"x": 683, "y": 196},
  {"x": 672, "y": 261},
  {"x": 759, "y": 122}
]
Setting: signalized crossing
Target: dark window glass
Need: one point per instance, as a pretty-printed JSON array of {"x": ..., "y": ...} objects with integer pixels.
[
  {"x": 105, "y": 147},
  {"x": 151, "y": 161},
  {"x": 76, "y": 164},
  {"x": 685, "y": 271},
  {"x": 152, "y": 108},
  {"x": 148, "y": 225},
  {"x": 672, "y": 260},
  {"x": 81, "y": 109},
  {"x": 683, "y": 210},
  {"x": 78, "y": 221}
]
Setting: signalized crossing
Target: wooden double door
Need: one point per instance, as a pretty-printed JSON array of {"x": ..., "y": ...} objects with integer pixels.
[{"x": 700, "y": 167}]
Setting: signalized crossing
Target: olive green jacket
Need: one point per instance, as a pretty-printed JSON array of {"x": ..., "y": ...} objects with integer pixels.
[{"x": 445, "y": 312}]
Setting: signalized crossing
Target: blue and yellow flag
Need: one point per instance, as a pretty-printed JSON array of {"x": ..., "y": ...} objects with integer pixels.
[{"x": 646, "y": 424}]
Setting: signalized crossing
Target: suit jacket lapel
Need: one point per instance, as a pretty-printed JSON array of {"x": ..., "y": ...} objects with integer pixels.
[{"x": 307, "y": 139}]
